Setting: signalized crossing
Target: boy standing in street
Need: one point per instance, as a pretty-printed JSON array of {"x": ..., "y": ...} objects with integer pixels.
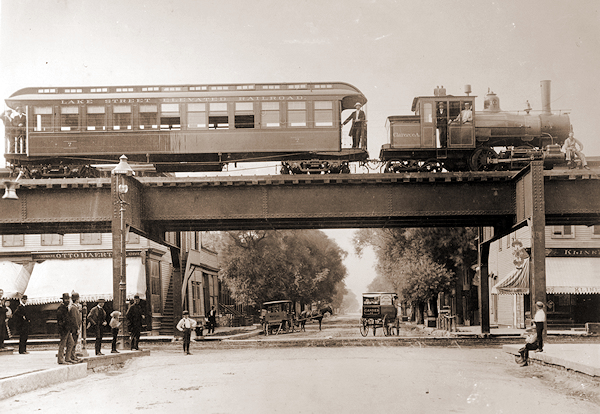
[{"x": 185, "y": 325}]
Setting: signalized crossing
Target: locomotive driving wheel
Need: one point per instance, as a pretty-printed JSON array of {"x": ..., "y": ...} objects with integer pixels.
[
  {"x": 480, "y": 159},
  {"x": 432, "y": 166}
]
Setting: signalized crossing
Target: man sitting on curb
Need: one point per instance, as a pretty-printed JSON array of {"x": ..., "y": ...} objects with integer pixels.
[{"x": 531, "y": 343}]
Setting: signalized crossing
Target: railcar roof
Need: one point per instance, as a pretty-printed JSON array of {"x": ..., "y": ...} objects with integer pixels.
[
  {"x": 74, "y": 91},
  {"x": 347, "y": 93}
]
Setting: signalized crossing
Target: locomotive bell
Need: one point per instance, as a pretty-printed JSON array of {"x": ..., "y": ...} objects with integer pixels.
[{"x": 491, "y": 102}]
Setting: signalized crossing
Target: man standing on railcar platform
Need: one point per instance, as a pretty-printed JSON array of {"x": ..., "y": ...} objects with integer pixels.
[{"x": 358, "y": 130}]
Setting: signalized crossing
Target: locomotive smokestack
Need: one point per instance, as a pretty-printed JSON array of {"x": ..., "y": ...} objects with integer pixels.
[{"x": 545, "y": 85}]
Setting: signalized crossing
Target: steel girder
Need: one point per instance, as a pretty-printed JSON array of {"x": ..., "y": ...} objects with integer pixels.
[{"x": 277, "y": 202}]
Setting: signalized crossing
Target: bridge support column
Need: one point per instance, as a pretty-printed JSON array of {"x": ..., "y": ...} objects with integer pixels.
[
  {"x": 484, "y": 288},
  {"x": 537, "y": 228}
]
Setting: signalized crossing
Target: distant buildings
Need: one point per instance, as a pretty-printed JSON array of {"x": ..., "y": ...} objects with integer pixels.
[
  {"x": 572, "y": 277},
  {"x": 44, "y": 266}
]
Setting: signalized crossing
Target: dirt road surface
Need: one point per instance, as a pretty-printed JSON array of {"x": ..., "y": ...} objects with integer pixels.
[{"x": 313, "y": 380}]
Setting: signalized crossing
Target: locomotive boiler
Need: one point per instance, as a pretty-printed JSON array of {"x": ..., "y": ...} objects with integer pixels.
[{"x": 446, "y": 134}]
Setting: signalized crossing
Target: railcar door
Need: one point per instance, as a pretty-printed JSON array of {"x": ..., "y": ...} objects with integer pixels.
[{"x": 461, "y": 129}]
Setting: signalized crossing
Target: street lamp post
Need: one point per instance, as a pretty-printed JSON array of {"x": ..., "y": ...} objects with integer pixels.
[{"x": 121, "y": 170}]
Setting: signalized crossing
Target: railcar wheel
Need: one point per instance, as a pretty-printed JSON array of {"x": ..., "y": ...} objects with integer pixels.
[
  {"x": 432, "y": 166},
  {"x": 364, "y": 326},
  {"x": 479, "y": 159}
]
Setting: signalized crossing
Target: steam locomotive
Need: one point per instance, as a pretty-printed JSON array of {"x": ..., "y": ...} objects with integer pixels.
[
  {"x": 445, "y": 133},
  {"x": 82, "y": 131}
]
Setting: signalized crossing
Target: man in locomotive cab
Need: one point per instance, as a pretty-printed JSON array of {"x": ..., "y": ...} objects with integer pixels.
[
  {"x": 466, "y": 115},
  {"x": 442, "y": 123},
  {"x": 358, "y": 130}
]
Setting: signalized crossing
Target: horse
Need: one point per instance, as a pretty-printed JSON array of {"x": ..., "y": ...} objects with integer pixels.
[{"x": 314, "y": 315}]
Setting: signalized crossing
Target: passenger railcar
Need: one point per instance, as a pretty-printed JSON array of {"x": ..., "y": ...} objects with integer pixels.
[
  {"x": 182, "y": 128},
  {"x": 440, "y": 137}
]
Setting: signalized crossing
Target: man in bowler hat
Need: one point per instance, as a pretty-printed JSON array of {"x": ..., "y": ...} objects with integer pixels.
[
  {"x": 135, "y": 318},
  {"x": 97, "y": 319},
  {"x": 22, "y": 320},
  {"x": 65, "y": 324}
]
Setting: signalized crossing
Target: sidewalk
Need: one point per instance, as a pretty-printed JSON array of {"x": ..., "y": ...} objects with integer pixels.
[
  {"x": 38, "y": 369},
  {"x": 584, "y": 358},
  {"x": 580, "y": 357}
]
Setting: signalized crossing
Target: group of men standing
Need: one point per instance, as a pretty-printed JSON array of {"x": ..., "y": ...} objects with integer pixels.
[
  {"x": 69, "y": 321},
  {"x": 135, "y": 319}
]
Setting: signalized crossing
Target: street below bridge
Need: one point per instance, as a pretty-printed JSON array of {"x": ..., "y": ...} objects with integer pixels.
[{"x": 218, "y": 378}]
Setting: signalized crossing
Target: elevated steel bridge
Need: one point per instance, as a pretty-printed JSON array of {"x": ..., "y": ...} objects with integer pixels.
[{"x": 502, "y": 200}]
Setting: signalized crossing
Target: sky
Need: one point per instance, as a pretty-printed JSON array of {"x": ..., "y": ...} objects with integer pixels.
[{"x": 391, "y": 50}]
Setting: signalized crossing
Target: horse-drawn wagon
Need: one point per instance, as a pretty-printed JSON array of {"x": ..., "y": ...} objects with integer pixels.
[
  {"x": 278, "y": 316},
  {"x": 380, "y": 310}
]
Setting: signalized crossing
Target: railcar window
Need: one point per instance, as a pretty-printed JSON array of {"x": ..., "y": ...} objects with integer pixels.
[
  {"x": 196, "y": 116},
  {"x": 323, "y": 113},
  {"x": 169, "y": 116},
  {"x": 297, "y": 114},
  {"x": 270, "y": 114},
  {"x": 217, "y": 118},
  {"x": 244, "y": 115},
  {"x": 427, "y": 112},
  {"x": 122, "y": 117},
  {"x": 43, "y": 118},
  {"x": 96, "y": 118},
  {"x": 454, "y": 109},
  {"x": 148, "y": 117},
  {"x": 69, "y": 118}
]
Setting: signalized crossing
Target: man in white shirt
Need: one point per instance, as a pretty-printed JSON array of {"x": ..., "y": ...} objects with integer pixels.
[
  {"x": 540, "y": 321},
  {"x": 466, "y": 115},
  {"x": 185, "y": 325}
]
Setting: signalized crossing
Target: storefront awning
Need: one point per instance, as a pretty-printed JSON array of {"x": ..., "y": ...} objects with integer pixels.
[
  {"x": 14, "y": 278},
  {"x": 91, "y": 278},
  {"x": 575, "y": 275},
  {"x": 564, "y": 275},
  {"x": 515, "y": 283}
]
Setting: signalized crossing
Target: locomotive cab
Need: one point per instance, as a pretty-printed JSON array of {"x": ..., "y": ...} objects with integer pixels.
[
  {"x": 438, "y": 122},
  {"x": 422, "y": 141}
]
